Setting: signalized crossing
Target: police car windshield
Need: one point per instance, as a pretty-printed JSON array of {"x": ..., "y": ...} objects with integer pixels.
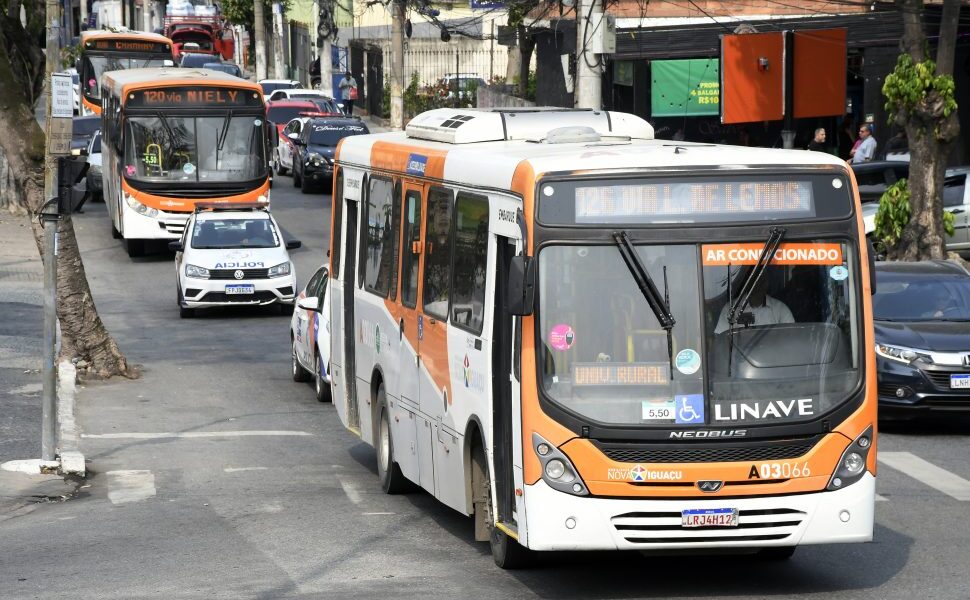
[{"x": 211, "y": 234}]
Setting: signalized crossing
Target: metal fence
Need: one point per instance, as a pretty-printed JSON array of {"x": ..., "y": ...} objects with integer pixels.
[{"x": 432, "y": 65}]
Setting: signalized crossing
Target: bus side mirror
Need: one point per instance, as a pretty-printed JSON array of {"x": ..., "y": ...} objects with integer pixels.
[
  {"x": 872, "y": 264},
  {"x": 521, "y": 298}
]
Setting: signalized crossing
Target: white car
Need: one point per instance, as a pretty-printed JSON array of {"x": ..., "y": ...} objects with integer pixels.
[
  {"x": 232, "y": 254},
  {"x": 310, "y": 334},
  {"x": 271, "y": 85},
  {"x": 283, "y": 155},
  {"x": 93, "y": 177}
]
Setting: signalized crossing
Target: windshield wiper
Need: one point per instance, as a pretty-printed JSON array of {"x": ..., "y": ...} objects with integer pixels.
[
  {"x": 755, "y": 275},
  {"x": 224, "y": 132},
  {"x": 659, "y": 305}
]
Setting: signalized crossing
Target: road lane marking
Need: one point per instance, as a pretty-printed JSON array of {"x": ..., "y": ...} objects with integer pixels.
[
  {"x": 130, "y": 486},
  {"x": 881, "y": 498},
  {"x": 189, "y": 434},
  {"x": 350, "y": 489},
  {"x": 240, "y": 469},
  {"x": 926, "y": 472}
]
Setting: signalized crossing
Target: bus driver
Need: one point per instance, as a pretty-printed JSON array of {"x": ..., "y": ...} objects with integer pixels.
[{"x": 764, "y": 309}]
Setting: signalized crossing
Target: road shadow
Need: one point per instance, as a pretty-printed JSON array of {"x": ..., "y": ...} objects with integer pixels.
[{"x": 948, "y": 424}]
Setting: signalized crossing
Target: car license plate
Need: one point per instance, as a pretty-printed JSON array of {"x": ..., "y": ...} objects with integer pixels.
[
  {"x": 240, "y": 289},
  {"x": 959, "y": 382},
  {"x": 709, "y": 517}
]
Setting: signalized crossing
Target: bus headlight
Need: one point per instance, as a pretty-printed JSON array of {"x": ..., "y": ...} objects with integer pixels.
[
  {"x": 262, "y": 199},
  {"x": 196, "y": 272},
  {"x": 557, "y": 471},
  {"x": 281, "y": 270},
  {"x": 852, "y": 464},
  {"x": 140, "y": 208}
]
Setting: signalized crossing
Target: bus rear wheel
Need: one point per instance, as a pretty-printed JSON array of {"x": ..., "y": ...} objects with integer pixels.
[
  {"x": 392, "y": 480},
  {"x": 506, "y": 551}
]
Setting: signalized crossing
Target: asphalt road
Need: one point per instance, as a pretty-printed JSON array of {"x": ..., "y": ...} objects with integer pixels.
[{"x": 198, "y": 510}]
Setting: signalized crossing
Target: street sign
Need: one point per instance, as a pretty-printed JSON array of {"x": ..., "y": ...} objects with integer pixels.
[
  {"x": 59, "y": 132},
  {"x": 62, "y": 96}
]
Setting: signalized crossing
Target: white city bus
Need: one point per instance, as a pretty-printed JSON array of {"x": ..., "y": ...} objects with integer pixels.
[{"x": 590, "y": 339}]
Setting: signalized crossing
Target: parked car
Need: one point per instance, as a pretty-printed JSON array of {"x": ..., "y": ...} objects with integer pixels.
[
  {"x": 461, "y": 84},
  {"x": 281, "y": 112},
  {"x": 285, "y": 147},
  {"x": 310, "y": 334},
  {"x": 93, "y": 177},
  {"x": 328, "y": 105},
  {"x": 83, "y": 130},
  {"x": 316, "y": 144},
  {"x": 296, "y": 94},
  {"x": 225, "y": 67},
  {"x": 922, "y": 326},
  {"x": 232, "y": 254},
  {"x": 194, "y": 60},
  {"x": 271, "y": 85},
  {"x": 76, "y": 86}
]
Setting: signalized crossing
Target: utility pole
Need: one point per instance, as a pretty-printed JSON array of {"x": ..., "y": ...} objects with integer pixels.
[
  {"x": 146, "y": 15},
  {"x": 259, "y": 30},
  {"x": 397, "y": 66},
  {"x": 49, "y": 412},
  {"x": 589, "y": 16},
  {"x": 279, "y": 66}
]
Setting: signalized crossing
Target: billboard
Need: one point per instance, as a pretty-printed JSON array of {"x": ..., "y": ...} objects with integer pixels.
[{"x": 685, "y": 88}]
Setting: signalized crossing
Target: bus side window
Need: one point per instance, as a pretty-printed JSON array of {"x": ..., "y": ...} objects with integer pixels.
[
  {"x": 378, "y": 255},
  {"x": 338, "y": 212},
  {"x": 409, "y": 261},
  {"x": 394, "y": 239},
  {"x": 471, "y": 255},
  {"x": 437, "y": 256}
]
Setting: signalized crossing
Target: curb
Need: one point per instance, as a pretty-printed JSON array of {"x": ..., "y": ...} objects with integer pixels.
[{"x": 68, "y": 446}]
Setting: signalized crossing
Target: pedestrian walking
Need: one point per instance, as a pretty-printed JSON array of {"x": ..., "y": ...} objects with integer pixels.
[
  {"x": 818, "y": 142},
  {"x": 866, "y": 150},
  {"x": 348, "y": 92}
]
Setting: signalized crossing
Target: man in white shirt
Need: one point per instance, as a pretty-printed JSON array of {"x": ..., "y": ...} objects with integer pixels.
[
  {"x": 867, "y": 149},
  {"x": 764, "y": 310}
]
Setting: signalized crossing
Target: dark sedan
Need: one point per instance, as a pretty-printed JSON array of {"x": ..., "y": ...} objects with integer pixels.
[
  {"x": 315, "y": 147},
  {"x": 83, "y": 130},
  {"x": 922, "y": 323}
]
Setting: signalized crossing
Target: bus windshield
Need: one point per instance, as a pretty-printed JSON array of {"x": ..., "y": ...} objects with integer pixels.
[
  {"x": 792, "y": 354},
  {"x": 195, "y": 149},
  {"x": 94, "y": 66}
]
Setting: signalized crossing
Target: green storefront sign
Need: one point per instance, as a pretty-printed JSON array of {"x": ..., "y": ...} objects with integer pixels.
[{"x": 685, "y": 88}]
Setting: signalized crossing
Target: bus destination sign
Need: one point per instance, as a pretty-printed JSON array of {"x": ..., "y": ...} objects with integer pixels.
[
  {"x": 128, "y": 45},
  {"x": 193, "y": 97},
  {"x": 689, "y": 200}
]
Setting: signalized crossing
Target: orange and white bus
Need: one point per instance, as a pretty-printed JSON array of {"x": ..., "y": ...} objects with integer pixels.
[
  {"x": 589, "y": 339},
  {"x": 172, "y": 137},
  {"x": 103, "y": 51}
]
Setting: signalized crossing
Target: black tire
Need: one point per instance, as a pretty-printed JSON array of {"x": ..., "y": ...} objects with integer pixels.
[
  {"x": 135, "y": 248},
  {"x": 506, "y": 552},
  {"x": 776, "y": 553},
  {"x": 297, "y": 179},
  {"x": 305, "y": 188},
  {"x": 114, "y": 232},
  {"x": 300, "y": 374},
  {"x": 321, "y": 386},
  {"x": 279, "y": 168},
  {"x": 392, "y": 480},
  {"x": 284, "y": 308}
]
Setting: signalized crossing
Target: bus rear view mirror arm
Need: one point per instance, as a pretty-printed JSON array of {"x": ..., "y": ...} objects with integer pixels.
[{"x": 521, "y": 298}]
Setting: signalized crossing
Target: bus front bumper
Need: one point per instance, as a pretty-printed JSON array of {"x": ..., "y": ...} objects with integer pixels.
[
  {"x": 841, "y": 516},
  {"x": 162, "y": 226}
]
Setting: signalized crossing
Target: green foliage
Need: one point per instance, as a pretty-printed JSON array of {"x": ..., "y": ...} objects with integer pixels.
[
  {"x": 386, "y": 100},
  {"x": 529, "y": 93},
  {"x": 240, "y": 12},
  {"x": 70, "y": 56},
  {"x": 910, "y": 83},
  {"x": 894, "y": 213}
]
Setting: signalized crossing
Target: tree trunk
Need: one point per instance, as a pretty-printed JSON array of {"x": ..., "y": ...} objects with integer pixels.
[
  {"x": 931, "y": 135},
  {"x": 83, "y": 335}
]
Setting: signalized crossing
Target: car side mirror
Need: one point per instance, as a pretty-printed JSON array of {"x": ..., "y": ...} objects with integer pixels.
[
  {"x": 175, "y": 246},
  {"x": 521, "y": 298},
  {"x": 309, "y": 303},
  {"x": 293, "y": 136},
  {"x": 871, "y": 250},
  {"x": 293, "y": 244}
]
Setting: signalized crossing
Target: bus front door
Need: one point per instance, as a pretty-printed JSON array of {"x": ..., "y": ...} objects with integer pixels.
[{"x": 349, "y": 275}]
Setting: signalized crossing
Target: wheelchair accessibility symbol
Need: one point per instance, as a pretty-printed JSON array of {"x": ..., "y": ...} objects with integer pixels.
[{"x": 689, "y": 409}]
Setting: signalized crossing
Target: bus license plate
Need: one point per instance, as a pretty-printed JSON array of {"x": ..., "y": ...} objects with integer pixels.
[
  {"x": 709, "y": 517},
  {"x": 240, "y": 289},
  {"x": 959, "y": 382}
]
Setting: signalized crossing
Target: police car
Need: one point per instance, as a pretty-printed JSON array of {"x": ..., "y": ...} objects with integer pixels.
[
  {"x": 233, "y": 254},
  {"x": 310, "y": 334}
]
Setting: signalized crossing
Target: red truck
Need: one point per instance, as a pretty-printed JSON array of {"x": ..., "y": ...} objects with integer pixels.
[{"x": 209, "y": 33}]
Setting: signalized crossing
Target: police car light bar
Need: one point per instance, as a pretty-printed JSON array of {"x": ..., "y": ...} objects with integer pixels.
[{"x": 215, "y": 206}]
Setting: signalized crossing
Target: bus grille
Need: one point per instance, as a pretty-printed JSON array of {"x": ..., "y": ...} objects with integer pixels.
[
  {"x": 174, "y": 227},
  {"x": 757, "y": 525},
  {"x": 681, "y": 454}
]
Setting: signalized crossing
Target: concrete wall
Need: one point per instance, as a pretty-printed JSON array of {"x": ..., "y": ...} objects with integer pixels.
[{"x": 494, "y": 97}]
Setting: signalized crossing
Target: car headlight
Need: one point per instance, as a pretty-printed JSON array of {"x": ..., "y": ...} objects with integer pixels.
[
  {"x": 314, "y": 159},
  {"x": 557, "y": 471},
  {"x": 852, "y": 464},
  {"x": 900, "y": 353},
  {"x": 140, "y": 208},
  {"x": 280, "y": 270},
  {"x": 196, "y": 272}
]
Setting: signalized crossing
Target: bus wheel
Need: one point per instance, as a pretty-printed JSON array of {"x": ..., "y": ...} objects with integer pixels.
[
  {"x": 299, "y": 373},
  {"x": 114, "y": 232},
  {"x": 135, "y": 248},
  {"x": 776, "y": 553},
  {"x": 320, "y": 385},
  {"x": 392, "y": 480},
  {"x": 506, "y": 552}
]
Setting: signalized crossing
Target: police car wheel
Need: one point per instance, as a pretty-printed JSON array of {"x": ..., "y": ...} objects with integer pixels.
[
  {"x": 320, "y": 384},
  {"x": 300, "y": 374}
]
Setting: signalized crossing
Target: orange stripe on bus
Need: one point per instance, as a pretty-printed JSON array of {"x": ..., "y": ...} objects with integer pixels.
[
  {"x": 95, "y": 108},
  {"x": 714, "y": 255},
  {"x": 175, "y": 204}
]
